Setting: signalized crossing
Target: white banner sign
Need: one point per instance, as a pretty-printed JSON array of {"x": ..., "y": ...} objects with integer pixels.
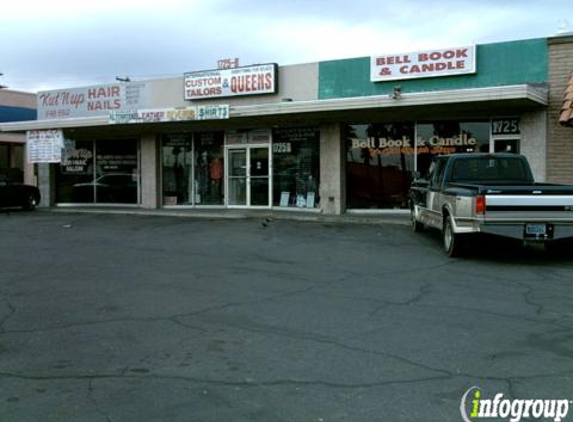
[
  {"x": 423, "y": 64},
  {"x": 44, "y": 146},
  {"x": 91, "y": 100},
  {"x": 250, "y": 80},
  {"x": 162, "y": 115}
]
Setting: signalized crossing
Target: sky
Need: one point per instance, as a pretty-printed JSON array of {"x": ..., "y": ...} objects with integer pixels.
[{"x": 63, "y": 43}]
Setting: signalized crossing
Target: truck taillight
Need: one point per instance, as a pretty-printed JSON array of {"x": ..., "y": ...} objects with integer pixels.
[{"x": 480, "y": 204}]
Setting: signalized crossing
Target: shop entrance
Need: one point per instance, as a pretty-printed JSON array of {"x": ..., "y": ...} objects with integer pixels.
[
  {"x": 506, "y": 145},
  {"x": 248, "y": 176}
]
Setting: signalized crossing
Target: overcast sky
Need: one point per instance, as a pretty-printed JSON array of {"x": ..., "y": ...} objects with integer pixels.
[{"x": 63, "y": 43}]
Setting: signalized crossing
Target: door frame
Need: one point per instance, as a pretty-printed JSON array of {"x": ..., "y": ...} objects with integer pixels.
[{"x": 247, "y": 148}]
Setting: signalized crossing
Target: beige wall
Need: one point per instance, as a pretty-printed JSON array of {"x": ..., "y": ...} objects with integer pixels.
[
  {"x": 559, "y": 138},
  {"x": 17, "y": 99}
]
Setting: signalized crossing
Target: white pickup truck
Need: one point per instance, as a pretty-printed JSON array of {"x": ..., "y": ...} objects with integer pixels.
[{"x": 465, "y": 194}]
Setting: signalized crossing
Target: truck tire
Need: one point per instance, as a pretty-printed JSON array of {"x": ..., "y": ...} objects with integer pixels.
[
  {"x": 454, "y": 244},
  {"x": 416, "y": 225}
]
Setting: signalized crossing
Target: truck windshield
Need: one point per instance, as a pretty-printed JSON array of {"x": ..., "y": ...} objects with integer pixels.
[{"x": 490, "y": 170}]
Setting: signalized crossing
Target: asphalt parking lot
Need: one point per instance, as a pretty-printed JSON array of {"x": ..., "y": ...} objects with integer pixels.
[{"x": 148, "y": 318}]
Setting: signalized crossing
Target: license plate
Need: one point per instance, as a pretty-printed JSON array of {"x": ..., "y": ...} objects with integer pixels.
[{"x": 535, "y": 229}]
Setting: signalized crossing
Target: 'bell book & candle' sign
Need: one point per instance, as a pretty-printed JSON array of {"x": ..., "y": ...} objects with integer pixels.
[{"x": 423, "y": 64}]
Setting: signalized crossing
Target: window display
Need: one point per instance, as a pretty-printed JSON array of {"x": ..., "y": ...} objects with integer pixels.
[
  {"x": 448, "y": 137},
  {"x": 379, "y": 164},
  {"x": 381, "y": 157},
  {"x": 296, "y": 167},
  {"x": 177, "y": 170},
  {"x": 209, "y": 168},
  {"x": 193, "y": 169}
]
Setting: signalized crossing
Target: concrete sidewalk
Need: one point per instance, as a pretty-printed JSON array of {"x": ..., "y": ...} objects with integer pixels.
[{"x": 400, "y": 217}]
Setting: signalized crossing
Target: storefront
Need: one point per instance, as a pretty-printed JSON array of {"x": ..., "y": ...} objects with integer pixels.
[
  {"x": 381, "y": 158},
  {"x": 331, "y": 137},
  {"x": 238, "y": 169}
]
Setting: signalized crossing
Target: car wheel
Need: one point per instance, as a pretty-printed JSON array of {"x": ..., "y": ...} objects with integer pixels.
[
  {"x": 31, "y": 202},
  {"x": 454, "y": 244}
]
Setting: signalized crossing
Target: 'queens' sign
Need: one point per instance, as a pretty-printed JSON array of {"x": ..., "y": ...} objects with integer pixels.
[
  {"x": 423, "y": 64},
  {"x": 249, "y": 80}
]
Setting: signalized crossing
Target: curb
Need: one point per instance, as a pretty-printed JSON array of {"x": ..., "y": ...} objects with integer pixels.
[{"x": 397, "y": 218}]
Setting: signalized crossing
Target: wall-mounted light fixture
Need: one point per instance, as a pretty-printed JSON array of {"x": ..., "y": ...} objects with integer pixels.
[
  {"x": 122, "y": 79},
  {"x": 396, "y": 93}
]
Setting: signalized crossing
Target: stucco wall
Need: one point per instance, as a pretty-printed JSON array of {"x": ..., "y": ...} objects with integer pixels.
[
  {"x": 534, "y": 142},
  {"x": 498, "y": 64}
]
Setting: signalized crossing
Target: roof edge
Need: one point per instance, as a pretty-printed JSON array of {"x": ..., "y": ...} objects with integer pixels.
[{"x": 501, "y": 93}]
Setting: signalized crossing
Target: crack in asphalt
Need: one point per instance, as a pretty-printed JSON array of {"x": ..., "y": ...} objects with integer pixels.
[
  {"x": 92, "y": 399},
  {"x": 10, "y": 314},
  {"x": 172, "y": 318},
  {"x": 424, "y": 290},
  {"x": 251, "y": 383}
]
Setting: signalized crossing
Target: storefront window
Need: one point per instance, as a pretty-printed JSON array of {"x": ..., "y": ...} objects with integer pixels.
[
  {"x": 209, "y": 168},
  {"x": 98, "y": 172},
  {"x": 382, "y": 156},
  {"x": 447, "y": 137},
  {"x": 296, "y": 167},
  {"x": 177, "y": 170},
  {"x": 75, "y": 175},
  {"x": 193, "y": 170},
  {"x": 12, "y": 161},
  {"x": 379, "y": 165},
  {"x": 116, "y": 172}
]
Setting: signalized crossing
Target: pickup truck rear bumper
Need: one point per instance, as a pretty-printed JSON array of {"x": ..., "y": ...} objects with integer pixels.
[{"x": 554, "y": 230}]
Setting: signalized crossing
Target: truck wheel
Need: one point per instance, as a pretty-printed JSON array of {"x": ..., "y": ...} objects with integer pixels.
[
  {"x": 454, "y": 244},
  {"x": 416, "y": 225}
]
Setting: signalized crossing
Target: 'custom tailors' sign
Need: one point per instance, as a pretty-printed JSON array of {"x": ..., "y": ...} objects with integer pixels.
[
  {"x": 423, "y": 64},
  {"x": 248, "y": 80}
]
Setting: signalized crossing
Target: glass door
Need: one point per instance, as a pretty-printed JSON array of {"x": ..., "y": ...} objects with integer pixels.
[
  {"x": 248, "y": 176},
  {"x": 506, "y": 145},
  {"x": 259, "y": 176},
  {"x": 237, "y": 179}
]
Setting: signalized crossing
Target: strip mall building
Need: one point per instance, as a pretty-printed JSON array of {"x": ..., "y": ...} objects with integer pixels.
[
  {"x": 15, "y": 106},
  {"x": 332, "y": 137}
]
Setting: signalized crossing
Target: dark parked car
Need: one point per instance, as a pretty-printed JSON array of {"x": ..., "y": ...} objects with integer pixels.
[{"x": 15, "y": 194}]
